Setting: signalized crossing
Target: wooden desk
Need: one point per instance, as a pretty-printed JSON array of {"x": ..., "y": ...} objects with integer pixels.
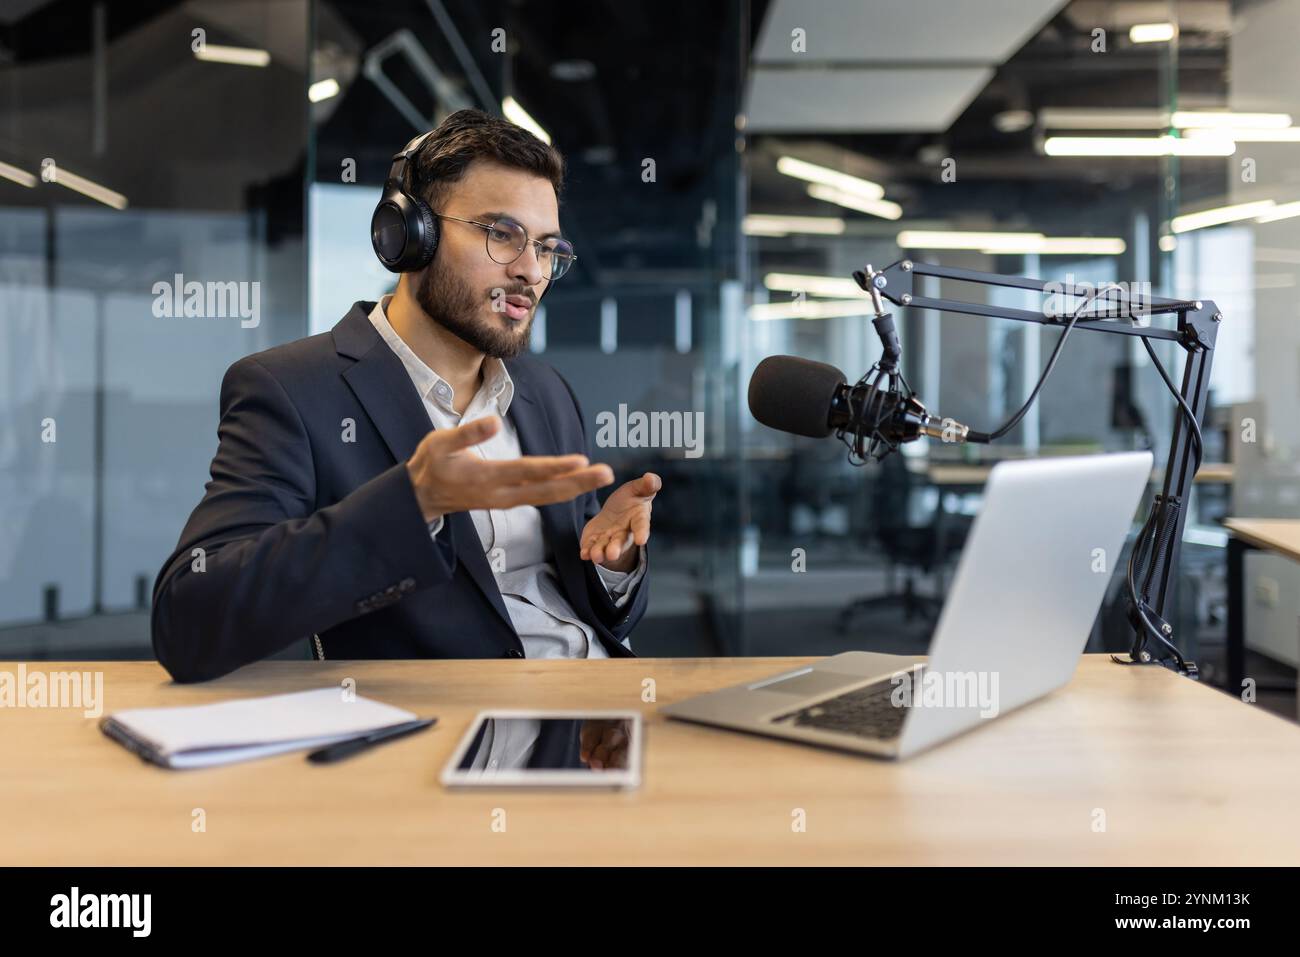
[
  {"x": 1216, "y": 473},
  {"x": 973, "y": 475},
  {"x": 1280, "y": 535},
  {"x": 1184, "y": 774}
]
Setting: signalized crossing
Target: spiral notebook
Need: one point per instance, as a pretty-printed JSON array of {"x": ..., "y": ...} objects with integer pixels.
[{"x": 207, "y": 735}]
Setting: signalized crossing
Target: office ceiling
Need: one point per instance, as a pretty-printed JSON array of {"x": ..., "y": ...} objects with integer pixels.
[
  {"x": 971, "y": 62},
  {"x": 880, "y": 67},
  {"x": 616, "y": 83}
]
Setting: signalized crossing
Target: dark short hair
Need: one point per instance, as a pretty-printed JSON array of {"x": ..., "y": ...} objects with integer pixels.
[{"x": 467, "y": 135}]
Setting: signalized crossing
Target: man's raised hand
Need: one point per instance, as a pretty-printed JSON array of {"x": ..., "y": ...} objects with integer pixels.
[{"x": 449, "y": 477}]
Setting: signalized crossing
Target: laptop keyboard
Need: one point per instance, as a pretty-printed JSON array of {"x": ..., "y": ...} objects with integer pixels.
[{"x": 866, "y": 712}]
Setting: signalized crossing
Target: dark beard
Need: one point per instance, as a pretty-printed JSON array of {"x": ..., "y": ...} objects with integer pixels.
[{"x": 455, "y": 306}]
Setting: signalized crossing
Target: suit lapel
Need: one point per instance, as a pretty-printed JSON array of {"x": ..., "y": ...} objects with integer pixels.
[
  {"x": 537, "y": 438},
  {"x": 382, "y": 386}
]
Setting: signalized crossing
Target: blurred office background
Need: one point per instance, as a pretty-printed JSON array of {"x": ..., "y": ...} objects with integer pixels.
[{"x": 730, "y": 164}]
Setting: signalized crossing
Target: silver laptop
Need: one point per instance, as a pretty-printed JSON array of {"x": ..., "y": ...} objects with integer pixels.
[{"x": 1028, "y": 586}]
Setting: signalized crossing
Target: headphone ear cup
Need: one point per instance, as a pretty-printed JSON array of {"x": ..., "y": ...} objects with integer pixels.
[
  {"x": 429, "y": 236},
  {"x": 403, "y": 232},
  {"x": 390, "y": 231}
]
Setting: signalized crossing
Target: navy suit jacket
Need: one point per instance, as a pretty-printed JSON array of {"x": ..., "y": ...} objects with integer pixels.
[{"x": 304, "y": 534}]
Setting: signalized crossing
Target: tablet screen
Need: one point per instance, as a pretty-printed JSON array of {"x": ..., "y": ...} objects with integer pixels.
[{"x": 601, "y": 749}]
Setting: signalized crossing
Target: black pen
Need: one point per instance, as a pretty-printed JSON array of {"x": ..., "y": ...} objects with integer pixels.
[{"x": 343, "y": 749}]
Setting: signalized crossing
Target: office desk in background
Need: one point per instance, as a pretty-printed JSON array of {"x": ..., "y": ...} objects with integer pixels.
[
  {"x": 1182, "y": 774},
  {"x": 1278, "y": 535},
  {"x": 975, "y": 474}
]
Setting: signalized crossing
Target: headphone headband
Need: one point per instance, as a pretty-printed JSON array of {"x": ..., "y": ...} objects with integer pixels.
[
  {"x": 397, "y": 171},
  {"x": 403, "y": 229}
]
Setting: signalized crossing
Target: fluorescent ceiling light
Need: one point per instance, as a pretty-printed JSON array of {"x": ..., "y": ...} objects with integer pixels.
[
  {"x": 993, "y": 242},
  {"x": 805, "y": 309},
  {"x": 1220, "y": 215},
  {"x": 517, "y": 115},
  {"x": 1082, "y": 118},
  {"x": 760, "y": 229},
  {"x": 1013, "y": 121},
  {"x": 239, "y": 56},
  {"x": 762, "y": 224},
  {"x": 1226, "y": 119},
  {"x": 1168, "y": 243},
  {"x": 947, "y": 239},
  {"x": 836, "y": 286},
  {"x": 812, "y": 173},
  {"x": 1152, "y": 32},
  {"x": 876, "y": 207},
  {"x": 1283, "y": 211},
  {"x": 1076, "y": 118},
  {"x": 1067, "y": 246},
  {"x": 19, "y": 176},
  {"x": 323, "y": 90},
  {"x": 1221, "y": 145},
  {"x": 1285, "y": 134},
  {"x": 57, "y": 174}
]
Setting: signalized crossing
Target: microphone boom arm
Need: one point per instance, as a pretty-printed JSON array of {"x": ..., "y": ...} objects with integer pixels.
[{"x": 1196, "y": 331}]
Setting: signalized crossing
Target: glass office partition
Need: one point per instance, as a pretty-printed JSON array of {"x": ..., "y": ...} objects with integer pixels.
[{"x": 151, "y": 234}]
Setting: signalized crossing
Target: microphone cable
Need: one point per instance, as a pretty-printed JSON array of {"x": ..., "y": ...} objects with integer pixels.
[
  {"x": 1012, "y": 422},
  {"x": 1163, "y": 508},
  {"x": 867, "y": 425}
]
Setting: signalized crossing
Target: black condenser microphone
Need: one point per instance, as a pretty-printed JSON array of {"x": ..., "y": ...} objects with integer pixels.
[
  {"x": 814, "y": 399},
  {"x": 795, "y": 395}
]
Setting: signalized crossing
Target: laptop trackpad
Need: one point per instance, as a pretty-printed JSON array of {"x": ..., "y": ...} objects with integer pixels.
[{"x": 808, "y": 683}]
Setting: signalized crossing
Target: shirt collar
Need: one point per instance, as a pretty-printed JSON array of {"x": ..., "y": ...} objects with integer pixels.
[{"x": 497, "y": 383}]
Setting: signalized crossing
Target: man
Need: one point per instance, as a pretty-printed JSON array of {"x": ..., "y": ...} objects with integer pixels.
[{"x": 409, "y": 485}]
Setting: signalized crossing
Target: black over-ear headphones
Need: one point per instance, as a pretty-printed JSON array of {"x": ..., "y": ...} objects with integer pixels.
[{"x": 403, "y": 229}]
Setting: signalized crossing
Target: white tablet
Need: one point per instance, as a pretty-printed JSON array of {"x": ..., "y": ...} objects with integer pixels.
[{"x": 586, "y": 749}]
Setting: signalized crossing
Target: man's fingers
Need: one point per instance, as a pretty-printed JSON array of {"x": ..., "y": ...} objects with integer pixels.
[
  {"x": 599, "y": 553},
  {"x": 594, "y": 545},
  {"x": 615, "y": 545},
  {"x": 607, "y": 546},
  {"x": 617, "y": 542},
  {"x": 561, "y": 489},
  {"x": 641, "y": 529},
  {"x": 607, "y": 750},
  {"x": 530, "y": 468},
  {"x": 605, "y": 550},
  {"x": 587, "y": 545},
  {"x": 649, "y": 484},
  {"x": 590, "y": 737},
  {"x": 467, "y": 435}
]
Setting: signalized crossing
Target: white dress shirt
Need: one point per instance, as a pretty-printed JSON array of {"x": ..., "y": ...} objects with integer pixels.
[{"x": 512, "y": 538}]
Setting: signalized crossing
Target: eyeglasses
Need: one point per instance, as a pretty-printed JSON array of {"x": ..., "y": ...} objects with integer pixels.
[{"x": 507, "y": 239}]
